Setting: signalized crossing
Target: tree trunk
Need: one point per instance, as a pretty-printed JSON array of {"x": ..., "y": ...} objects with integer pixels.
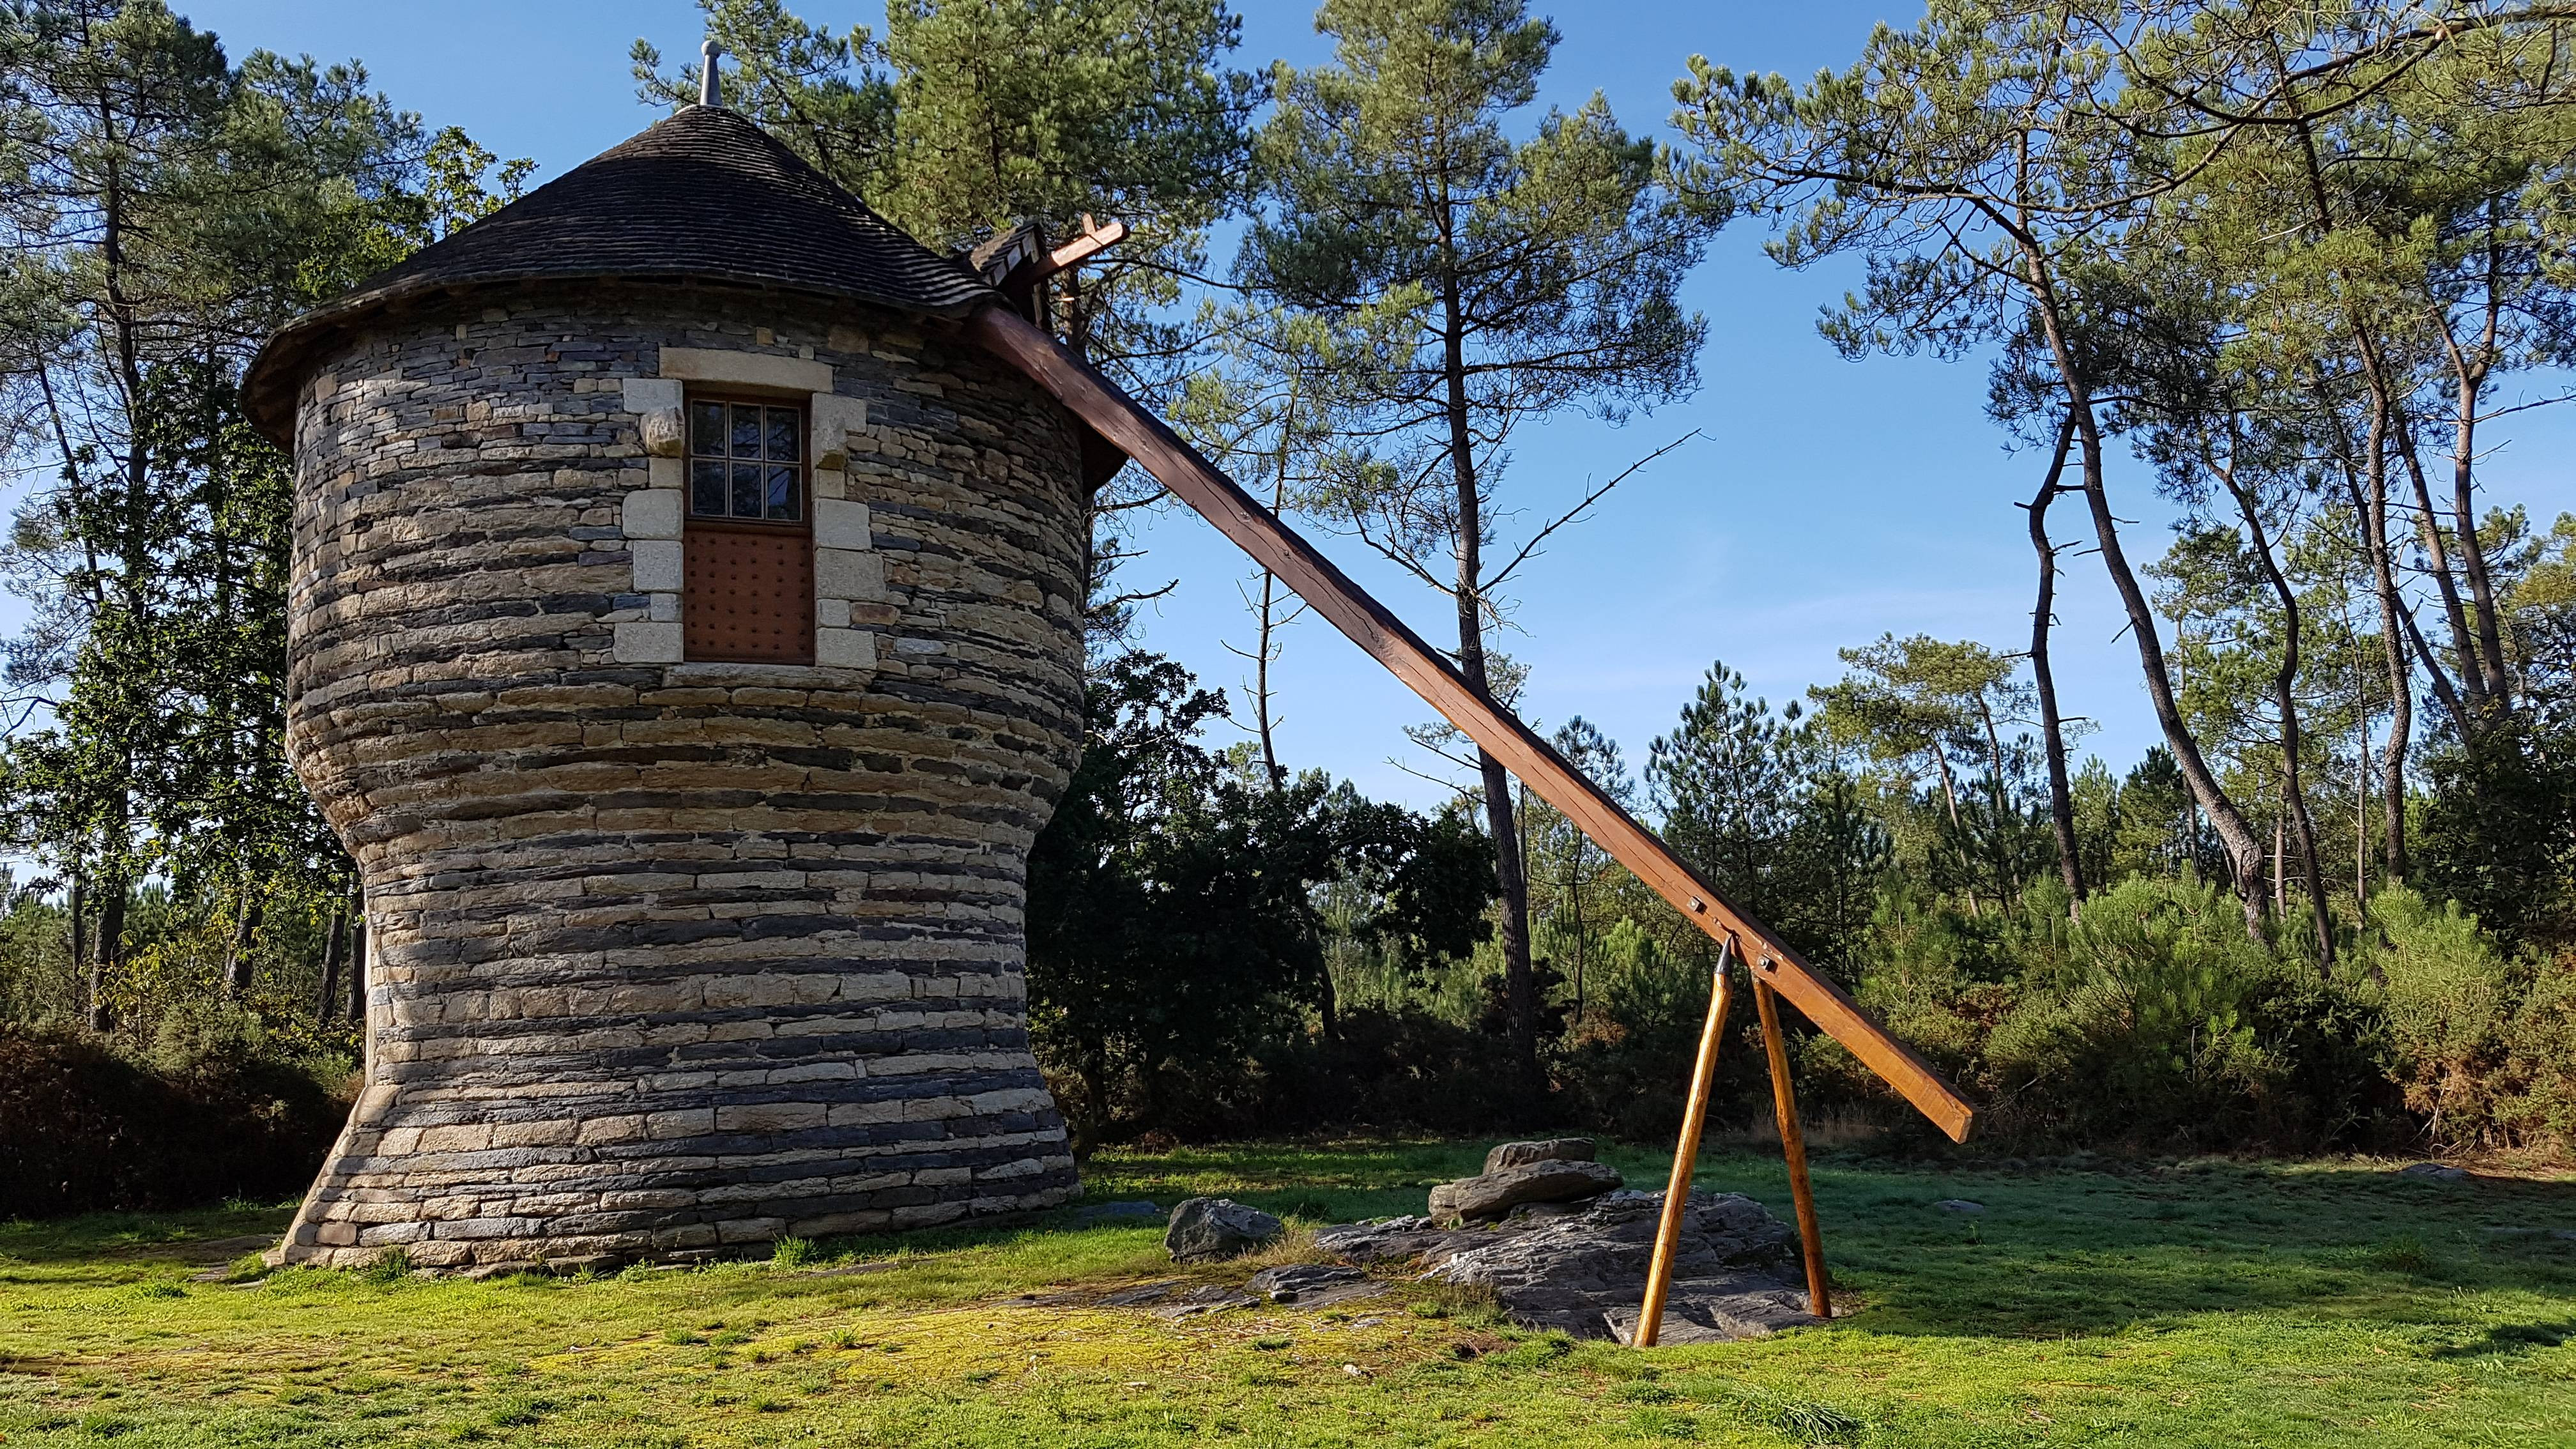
[
  {"x": 2052, "y": 734},
  {"x": 107, "y": 954},
  {"x": 2471, "y": 376},
  {"x": 1949, "y": 790},
  {"x": 2468, "y": 705},
  {"x": 1520, "y": 986},
  {"x": 2236, "y": 837},
  {"x": 2373, "y": 508},
  {"x": 83, "y": 981},
  {"x": 2285, "y": 698},
  {"x": 358, "y": 969},
  {"x": 2245, "y": 852},
  {"x": 237, "y": 964},
  {"x": 334, "y": 941}
]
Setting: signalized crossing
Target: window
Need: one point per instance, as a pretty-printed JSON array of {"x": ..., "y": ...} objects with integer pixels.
[
  {"x": 746, "y": 461},
  {"x": 749, "y": 548}
]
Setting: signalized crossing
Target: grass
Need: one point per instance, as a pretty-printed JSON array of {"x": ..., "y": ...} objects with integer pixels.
[{"x": 2201, "y": 1303}]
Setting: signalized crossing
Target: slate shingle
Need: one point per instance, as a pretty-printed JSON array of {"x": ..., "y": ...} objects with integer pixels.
[{"x": 704, "y": 195}]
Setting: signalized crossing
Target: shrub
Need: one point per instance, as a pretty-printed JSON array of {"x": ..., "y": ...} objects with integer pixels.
[
  {"x": 2152, "y": 1038},
  {"x": 85, "y": 1129},
  {"x": 2449, "y": 999}
]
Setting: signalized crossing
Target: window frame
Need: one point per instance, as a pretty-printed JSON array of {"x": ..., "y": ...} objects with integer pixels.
[
  {"x": 690, "y": 457},
  {"x": 799, "y": 528}
]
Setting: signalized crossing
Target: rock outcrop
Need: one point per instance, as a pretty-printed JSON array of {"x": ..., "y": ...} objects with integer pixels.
[{"x": 1583, "y": 1270}]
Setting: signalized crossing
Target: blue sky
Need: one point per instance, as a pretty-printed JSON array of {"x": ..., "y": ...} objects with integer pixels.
[{"x": 1826, "y": 503}]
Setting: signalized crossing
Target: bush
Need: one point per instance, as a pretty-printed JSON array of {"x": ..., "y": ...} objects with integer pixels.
[
  {"x": 2540, "y": 1060},
  {"x": 2449, "y": 999},
  {"x": 2152, "y": 1037},
  {"x": 85, "y": 1129}
]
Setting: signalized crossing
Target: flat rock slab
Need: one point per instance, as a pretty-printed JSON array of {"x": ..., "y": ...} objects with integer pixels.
[
  {"x": 1313, "y": 1285},
  {"x": 1141, "y": 1295},
  {"x": 1735, "y": 1270},
  {"x": 1209, "y": 1298},
  {"x": 1553, "y": 1149},
  {"x": 1718, "y": 1310},
  {"x": 1959, "y": 1205},
  {"x": 1496, "y": 1193},
  {"x": 1400, "y": 1240},
  {"x": 2434, "y": 1172}
]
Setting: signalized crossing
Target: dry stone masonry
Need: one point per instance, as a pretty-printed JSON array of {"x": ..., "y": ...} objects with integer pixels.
[{"x": 669, "y": 958}]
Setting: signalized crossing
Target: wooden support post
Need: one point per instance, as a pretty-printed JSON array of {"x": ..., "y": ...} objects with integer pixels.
[
  {"x": 1668, "y": 1232},
  {"x": 1793, "y": 1143}
]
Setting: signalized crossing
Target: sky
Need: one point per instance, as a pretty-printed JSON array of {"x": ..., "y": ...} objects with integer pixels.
[{"x": 1823, "y": 503}]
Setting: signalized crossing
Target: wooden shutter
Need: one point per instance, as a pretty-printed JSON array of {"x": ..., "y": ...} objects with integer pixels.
[{"x": 750, "y": 594}]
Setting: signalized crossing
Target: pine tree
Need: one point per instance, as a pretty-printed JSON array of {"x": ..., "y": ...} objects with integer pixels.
[{"x": 1510, "y": 279}]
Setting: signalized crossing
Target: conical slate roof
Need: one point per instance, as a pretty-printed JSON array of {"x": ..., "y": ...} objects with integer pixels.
[{"x": 703, "y": 195}]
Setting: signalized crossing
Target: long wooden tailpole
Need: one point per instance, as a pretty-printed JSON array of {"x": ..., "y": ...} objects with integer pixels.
[
  {"x": 1668, "y": 1231},
  {"x": 1369, "y": 624},
  {"x": 1793, "y": 1145}
]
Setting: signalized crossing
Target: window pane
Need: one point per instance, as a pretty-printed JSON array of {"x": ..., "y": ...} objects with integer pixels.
[
  {"x": 746, "y": 490},
  {"x": 706, "y": 488},
  {"x": 782, "y": 493},
  {"x": 706, "y": 428},
  {"x": 783, "y": 445},
  {"x": 746, "y": 431}
]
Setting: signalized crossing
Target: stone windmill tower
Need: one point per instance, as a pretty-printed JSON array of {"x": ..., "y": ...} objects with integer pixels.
[{"x": 686, "y": 630}]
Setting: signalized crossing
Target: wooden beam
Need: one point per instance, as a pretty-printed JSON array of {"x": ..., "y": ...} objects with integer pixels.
[
  {"x": 1668, "y": 1229},
  {"x": 1369, "y": 624},
  {"x": 1094, "y": 240},
  {"x": 1793, "y": 1145}
]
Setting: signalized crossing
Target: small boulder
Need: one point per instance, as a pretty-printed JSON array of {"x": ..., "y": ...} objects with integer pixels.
[
  {"x": 1959, "y": 1205},
  {"x": 1207, "y": 1228},
  {"x": 1554, "y": 1149},
  {"x": 1497, "y": 1193}
]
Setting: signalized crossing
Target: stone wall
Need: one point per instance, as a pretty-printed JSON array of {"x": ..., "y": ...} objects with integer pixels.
[{"x": 667, "y": 957}]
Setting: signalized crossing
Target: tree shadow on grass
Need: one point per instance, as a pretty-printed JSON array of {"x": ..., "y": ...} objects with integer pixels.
[
  {"x": 2513, "y": 1338},
  {"x": 178, "y": 1237},
  {"x": 2082, "y": 1252}
]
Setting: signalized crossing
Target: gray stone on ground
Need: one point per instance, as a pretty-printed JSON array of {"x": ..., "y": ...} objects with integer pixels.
[
  {"x": 1309, "y": 1283},
  {"x": 1553, "y": 1149},
  {"x": 1141, "y": 1294},
  {"x": 1207, "y": 1228},
  {"x": 1959, "y": 1205},
  {"x": 1207, "y": 1298},
  {"x": 2434, "y": 1172},
  {"x": 1496, "y": 1193},
  {"x": 1395, "y": 1240},
  {"x": 1735, "y": 1272}
]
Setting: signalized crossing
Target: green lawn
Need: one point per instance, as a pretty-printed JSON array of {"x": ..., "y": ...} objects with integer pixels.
[{"x": 2217, "y": 1304}]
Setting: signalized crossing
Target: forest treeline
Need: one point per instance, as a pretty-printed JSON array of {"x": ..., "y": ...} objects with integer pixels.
[{"x": 2297, "y": 271}]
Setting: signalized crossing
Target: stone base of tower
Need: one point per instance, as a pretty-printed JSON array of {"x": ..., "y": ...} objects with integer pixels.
[{"x": 658, "y": 1169}]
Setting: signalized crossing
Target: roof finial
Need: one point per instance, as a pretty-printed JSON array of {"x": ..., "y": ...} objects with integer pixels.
[{"x": 707, "y": 78}]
